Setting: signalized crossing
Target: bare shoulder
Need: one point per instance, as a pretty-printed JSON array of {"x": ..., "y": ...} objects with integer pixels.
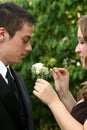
[
  {"x": 82, "y": 100},
  {"x": 85, "y": 125}
]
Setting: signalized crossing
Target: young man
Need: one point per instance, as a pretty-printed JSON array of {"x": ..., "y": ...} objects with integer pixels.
[{"x": 16, "y": 28}]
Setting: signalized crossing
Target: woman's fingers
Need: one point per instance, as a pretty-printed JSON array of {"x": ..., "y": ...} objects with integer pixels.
[
  {"x": 44, "y": 91},
  {"x": 54, "y": 74}
]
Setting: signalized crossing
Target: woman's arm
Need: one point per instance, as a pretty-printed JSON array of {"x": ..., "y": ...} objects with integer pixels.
[
  {"x": 44, "y": 91},
  {"x": 63, "y": 117},
  {"x": 61, "y": 80}
]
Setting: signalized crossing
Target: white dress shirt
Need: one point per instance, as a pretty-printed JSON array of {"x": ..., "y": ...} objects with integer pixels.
[{"x": 3, "y": 70}]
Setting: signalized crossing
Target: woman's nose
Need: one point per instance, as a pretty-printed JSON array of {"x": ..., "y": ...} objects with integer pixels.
[{"x": 77, "y": 50}]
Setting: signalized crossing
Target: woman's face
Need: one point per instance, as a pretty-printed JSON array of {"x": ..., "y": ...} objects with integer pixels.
[{"x": 81, "y": 48}]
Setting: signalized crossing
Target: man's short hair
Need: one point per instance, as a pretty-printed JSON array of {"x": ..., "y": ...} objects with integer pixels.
[{"x": 12, "y": 17}]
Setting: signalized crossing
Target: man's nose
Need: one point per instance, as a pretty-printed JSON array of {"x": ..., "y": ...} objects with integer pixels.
[{"x": 29, "y": 47}]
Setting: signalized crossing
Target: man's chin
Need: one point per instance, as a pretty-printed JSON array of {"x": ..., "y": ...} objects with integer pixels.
[{"x": 17, "y": 62}]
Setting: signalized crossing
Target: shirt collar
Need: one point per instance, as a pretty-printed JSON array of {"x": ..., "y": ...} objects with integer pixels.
[{"x": 3, "y": 69}]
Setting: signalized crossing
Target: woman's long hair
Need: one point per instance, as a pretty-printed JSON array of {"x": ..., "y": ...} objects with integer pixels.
[
  {"x": 82, "y": 94},
  {"x": 82, "y": 23},
  {"x": 83, "y": 91}
]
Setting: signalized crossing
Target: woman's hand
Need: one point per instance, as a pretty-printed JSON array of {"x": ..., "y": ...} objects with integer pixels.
[
  {"x": 61, "y": 79},
  {"x": 44, "y": 91}
]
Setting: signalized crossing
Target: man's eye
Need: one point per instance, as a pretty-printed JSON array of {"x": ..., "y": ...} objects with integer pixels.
[{"x": 25, "y": 41}]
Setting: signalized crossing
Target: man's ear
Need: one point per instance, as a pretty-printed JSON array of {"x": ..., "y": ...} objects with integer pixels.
[{"x": 2, "y": 34}]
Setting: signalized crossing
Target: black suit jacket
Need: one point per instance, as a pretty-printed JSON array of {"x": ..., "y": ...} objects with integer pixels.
[{"x": 6, "y": 122}]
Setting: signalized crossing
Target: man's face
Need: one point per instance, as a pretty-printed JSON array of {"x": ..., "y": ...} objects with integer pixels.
[{"x": 15, "y": 49}]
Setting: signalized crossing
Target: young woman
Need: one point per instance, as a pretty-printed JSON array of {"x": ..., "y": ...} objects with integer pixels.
[{"x": 69, "y": 114}]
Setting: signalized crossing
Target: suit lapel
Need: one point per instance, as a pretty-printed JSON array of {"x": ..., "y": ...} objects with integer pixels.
[
  {"x": 25, "y": 97},
  {"x": 3, "y": 86}
]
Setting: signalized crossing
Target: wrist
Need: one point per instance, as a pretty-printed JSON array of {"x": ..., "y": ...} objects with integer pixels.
[
  {"x": 54, "y": 103},
  {"x": 64, "y": 94}
]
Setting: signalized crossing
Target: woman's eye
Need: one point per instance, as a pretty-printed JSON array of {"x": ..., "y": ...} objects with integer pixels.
[{"x": 81, "y": 42}]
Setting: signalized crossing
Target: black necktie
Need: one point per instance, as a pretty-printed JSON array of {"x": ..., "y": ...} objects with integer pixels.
[
  {"x": 9, "y": 77},
  {"x": 12, "y": 83}
]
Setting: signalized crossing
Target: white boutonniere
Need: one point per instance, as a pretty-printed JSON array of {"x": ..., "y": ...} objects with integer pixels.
[{"x": 39, "y": 70}]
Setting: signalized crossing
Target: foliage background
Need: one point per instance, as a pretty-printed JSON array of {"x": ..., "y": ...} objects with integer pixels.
[{"x": 53, "y": 44}]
